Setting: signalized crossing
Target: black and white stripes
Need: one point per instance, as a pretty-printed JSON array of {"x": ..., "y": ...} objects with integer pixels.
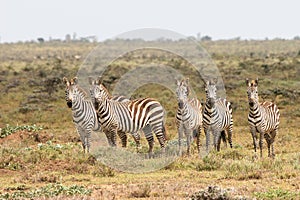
[
  {"x": 83, "y": 111},
  {"x": 141, "y": 114},
  {"x": 188, "y": 117},
  {"x": 119, "y": 115},
  {"x": 217, "y": 117},
  {"x": 263, "y": 118}
]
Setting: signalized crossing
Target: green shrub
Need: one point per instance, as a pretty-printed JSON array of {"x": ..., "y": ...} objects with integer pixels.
[
  {"x": 8, "y": 130},
  {"x": 277, "y": 194},
  {"x": 209, "y": 163},
  {"x": 242, "y": 170},
  {"x": 234, "y": 154},
  {"x": 50, "y": 190}
]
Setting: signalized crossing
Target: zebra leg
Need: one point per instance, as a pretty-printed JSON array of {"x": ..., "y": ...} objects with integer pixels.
[
  {"x": 137, "y": 138},
  {"x": 148, "y": 133},
  {"x": 159, "y": 131},
  {"x": 261, "y": 134},
  {"x": 180, "y": 131},
  {"x": 254, "y": 137},
  {"x": 88, "y": 139},
  {"x": 196, "y": 133},
  {"x": 223, "y": 138},
  {"x": 273, "y": 135},
  {"x": 207, "y": 137},
  {"x": 229, "y": 132},
  {"x": 123, "y": 138},
  {"x": 112, "y": 132},
  {"x": 268, "y": 140},
  {"x": 108, "y": 136},
  {"x": 219, "y": 139},
  {"x": 188, "y": 141},
  {"x": 82, "y": 137},
  {"x": 216, "y": 135}
]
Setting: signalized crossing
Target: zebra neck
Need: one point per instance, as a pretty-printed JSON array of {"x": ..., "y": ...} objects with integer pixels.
[
  {"x": 79, "y": 100},
  {"x": 103, "y": 108},
  {"x": 210, "y": 107},
  {"x": 254, "y": 107},
  {"x": 184, "y": 107}
]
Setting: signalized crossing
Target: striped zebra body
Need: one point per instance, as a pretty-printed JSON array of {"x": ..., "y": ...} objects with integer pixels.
[
  {"x": 83, "y": 112},
  {"x": 263, "y": 118},
  {"x": 217, "y": 117},
  {"x": 141, "y": 114},
  {"x": 188, "y": 117},
  {"x": 119, "y": 98},
  {"x": 120, "y": 133}
]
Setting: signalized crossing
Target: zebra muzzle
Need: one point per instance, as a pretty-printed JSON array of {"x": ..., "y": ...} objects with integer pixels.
[
  {"x": 211, "y": 101},
  {"x": 69, "y": 103},
  {"x": 180, "y": 104},
  {"x": 96, "y": 104}
]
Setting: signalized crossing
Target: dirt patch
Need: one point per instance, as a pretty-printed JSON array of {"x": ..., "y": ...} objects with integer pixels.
[{"x": 26, "y": 137}]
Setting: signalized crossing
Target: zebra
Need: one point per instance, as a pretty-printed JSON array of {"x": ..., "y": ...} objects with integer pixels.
[
  {"x": 83, "y": 111},
  {"x": 263, "y": 118},
  {"x": 144, "y": 114},
  {"x": 121, "y": 134},
  {"x": 189, "y": 115},
  {"x": 217, "y": 117}
]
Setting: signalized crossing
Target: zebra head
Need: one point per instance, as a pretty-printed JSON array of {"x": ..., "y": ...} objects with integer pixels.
[
  {"x": 71, "y": 90},
  {"x": 211, "y": 92},
  {"x": 182, "y": 92},
  {"x": 98, "y": 92},
  {"x": 252, "y": 91}
]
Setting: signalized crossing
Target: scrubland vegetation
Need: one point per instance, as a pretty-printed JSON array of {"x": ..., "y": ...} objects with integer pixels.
[{"x": 41, "y": 154}]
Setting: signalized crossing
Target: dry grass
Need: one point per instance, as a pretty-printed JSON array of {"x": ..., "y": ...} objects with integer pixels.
[{"x": 54, "y": 155}]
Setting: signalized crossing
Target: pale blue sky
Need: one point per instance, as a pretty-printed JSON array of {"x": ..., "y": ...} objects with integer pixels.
[{"x": 221, "y": 19}]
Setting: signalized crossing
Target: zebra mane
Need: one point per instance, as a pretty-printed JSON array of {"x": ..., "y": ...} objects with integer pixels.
[
  {"x": 82, "y": 91},
  {"x": 106, "y": 90}
]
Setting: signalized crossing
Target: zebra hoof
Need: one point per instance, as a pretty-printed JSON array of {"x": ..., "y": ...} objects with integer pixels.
[{"x": 255, "y": 157}]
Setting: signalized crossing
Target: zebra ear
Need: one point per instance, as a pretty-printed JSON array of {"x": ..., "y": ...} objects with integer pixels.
[
  {"x": 91, "y": 80},
  {"x": 215, "y": 81},
  {"x": 75, "y": 80},
  {"x": 206, "y": 83},
  {"x": 177, "y": 82},
  {"x": 247, "y": 81},
  {"x": 187, "y": 81},
  {"x": 99, "y": 80},
  {"x": 256, "y": 81},
  {"x": 65, "y": 80},
  {"x": 187, "y": 85}
]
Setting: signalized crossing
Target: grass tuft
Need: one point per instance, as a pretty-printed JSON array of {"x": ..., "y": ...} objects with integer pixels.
[
  {"x": 277, "y": 194},
  {"x": 142, "y": 192},
  {"x": 50, "y": 190}
]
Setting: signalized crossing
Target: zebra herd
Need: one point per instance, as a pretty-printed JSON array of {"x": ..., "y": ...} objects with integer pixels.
[{"x": 117, "y": 115}]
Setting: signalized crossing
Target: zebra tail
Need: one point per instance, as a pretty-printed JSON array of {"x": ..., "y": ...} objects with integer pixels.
[{"x": 223, "y": 136}]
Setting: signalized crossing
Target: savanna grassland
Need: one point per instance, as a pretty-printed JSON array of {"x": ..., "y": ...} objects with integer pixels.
[{"x": 41, "y": 154}]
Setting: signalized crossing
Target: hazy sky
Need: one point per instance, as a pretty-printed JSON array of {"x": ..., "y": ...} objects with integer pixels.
[{"x": 220, "y": 19}]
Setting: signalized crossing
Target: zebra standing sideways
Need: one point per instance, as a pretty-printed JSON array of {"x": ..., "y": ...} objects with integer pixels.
[
  {"x": 189, "y": 116},
  {"x": 263, "y": 118},
  {"x": 83, "y": 111},
  {"x": 121, "y": 134},
  {"x": 140, "y": 114},
  {"x": 217, "y": 117}
]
